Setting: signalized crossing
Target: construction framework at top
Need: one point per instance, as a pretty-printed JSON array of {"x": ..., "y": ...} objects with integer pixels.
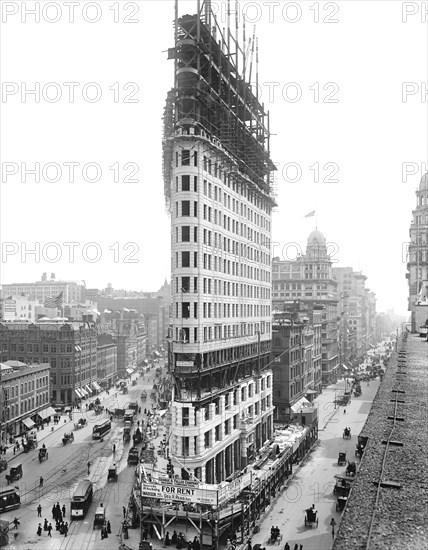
[{"x": 213, "y": 97}]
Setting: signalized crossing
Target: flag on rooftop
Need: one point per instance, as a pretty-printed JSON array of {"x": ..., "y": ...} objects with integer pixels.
[
  {"x": 54, "y": 301},
  {"x": 310, "y": 214}
]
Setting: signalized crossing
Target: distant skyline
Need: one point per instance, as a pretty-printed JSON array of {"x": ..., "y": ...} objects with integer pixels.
[{"x": 344, "y": 87}]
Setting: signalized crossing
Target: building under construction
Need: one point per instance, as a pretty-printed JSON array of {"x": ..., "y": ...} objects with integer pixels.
[
  {"x": 218, "y": 188},
  {"x": 218, "y": 179}
]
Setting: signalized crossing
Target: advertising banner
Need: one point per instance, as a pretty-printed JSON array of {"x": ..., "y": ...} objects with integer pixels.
[{"x": 178, "y": 492}]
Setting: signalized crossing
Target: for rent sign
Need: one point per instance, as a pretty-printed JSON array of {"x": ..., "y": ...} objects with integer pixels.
[{"x": 179, "y": 493}]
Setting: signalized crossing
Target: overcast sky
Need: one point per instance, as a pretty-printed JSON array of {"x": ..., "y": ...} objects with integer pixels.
[{"x": 331, "y": 74}]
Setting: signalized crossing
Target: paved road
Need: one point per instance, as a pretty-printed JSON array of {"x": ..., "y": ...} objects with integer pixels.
[
  {"x": 65, "y": 467},
  {"x": 314, "y": 481}
]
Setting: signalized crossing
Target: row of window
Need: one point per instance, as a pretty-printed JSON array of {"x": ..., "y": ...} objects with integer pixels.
[
  {"x": 189, "y": 233},
  {"x": 214, "y": 263},
  {"x": 187, "y": 208},
  {"x": 184, "y": 310},
  {"x": 183, "y": 183},
  {"x": 26, "y": 405},
  {"x": 185, "y": 335},
  {"x": 186, "y": 157},
  {"x": 220, "y": 287}
]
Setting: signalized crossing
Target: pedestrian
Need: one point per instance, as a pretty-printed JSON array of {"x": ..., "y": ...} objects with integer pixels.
[
  {"x": 296, "y": 547},
  {"x": 287, "y": 546},
  {"x": 108, "y": 527},
  {"x": 89, "y": 464},
  {"x": 66, "y": 529},
  {"x": 124, "y": 512},
  {"x": 39, "y": 530},
  {"x": 14, "y": 450},
  {"x": 39, "y": 511},
  {"x": 50, "y": 530},
  {"x": 16, "y": 522},
  {"x": 41, "y": 482},
  {"x": 249, "y": 545},
  {"x": 63, "y": 510},
  {"x": 114, "y": 448},
  {"x": 45, "y": 525},
  {"x": 344, "y": 411},
  {"x": 333, "y": 524},
  {"x": 301, "y": 547},
  {"x": 53, "y": 511}
]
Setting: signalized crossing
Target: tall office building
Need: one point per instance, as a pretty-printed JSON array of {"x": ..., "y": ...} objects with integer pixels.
[
  {"x": 218, "y": 190},
  {"x": 417, "y": 258}
]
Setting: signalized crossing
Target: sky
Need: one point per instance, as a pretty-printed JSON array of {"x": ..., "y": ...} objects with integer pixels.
[{"x": 345, "y": 84}]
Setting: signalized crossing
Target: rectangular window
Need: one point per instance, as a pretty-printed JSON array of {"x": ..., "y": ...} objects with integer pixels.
[
  {"x": 185, "y": 284},
  {"x": 185, "y": 259},
  {"x": 185, "y": 234},
  {"x": 185, "y": 157},
  {"x": 185, "y": 417},
  {"x": 185, "y": 208},
  {"x": 185, "y": 183}
]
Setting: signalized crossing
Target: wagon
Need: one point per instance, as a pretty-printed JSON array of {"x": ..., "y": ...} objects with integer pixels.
[
  {"x": 341, "y": 461},
  {"x": 311, "y": 518},
  {"x": 81, "y": 423},
  {"x": 43, "y": 454},
  {"x": 137, "y": 437},
  {"x": 341, "y": 503},
  {"x": 112, "y": 473},
  {"x": 343, "y": 485},
  {"x": 133, "y": 456},
  {"x": 100, "y": 517},
  {"x": 68, "y": 438},
  {"x": 14, "y": 474},
  {"x": 351, "y": 469},
  {"x": 3, "y": 464},
  {"x": 143, "y": 396},
  {"x": 126, "y": 434}
]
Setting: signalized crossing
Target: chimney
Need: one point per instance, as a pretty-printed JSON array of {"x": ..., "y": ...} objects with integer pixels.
[{"x": 44, "y": 277}]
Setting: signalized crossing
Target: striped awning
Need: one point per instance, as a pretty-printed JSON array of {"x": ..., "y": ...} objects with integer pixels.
[
  {"x": 88, "y": 389},
  {"x": 96, "y": 386},
  {"x": 45, "y": 413},
  {"x": 83, "y": 392},
  {"x": 28, "y": 423},
  {"x": 78, "y": 393},
  {"x": 129, "y": 371}
]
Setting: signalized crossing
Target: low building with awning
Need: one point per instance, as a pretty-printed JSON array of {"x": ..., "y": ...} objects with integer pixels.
[
  {"x": 300, "y": 404},
  {"x": 45, "y": 413},
  {"x": 96, "y": 386},
  {"x": 28, "y": 423},
  {"x": 130, "y": 371}
]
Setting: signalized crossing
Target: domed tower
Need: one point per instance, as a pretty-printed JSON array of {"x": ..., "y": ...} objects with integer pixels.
[{"x": 316, "y": 247}]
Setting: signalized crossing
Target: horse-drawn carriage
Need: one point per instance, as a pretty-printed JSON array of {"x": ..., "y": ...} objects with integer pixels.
[
  {"x": 137, "y": 437},
  {"x": 311, "y": 518},
  {"x": 126, "y": 434},
  {"x": 143, "y": 396},
  {"x": 133, "y": 456},
  {"x": 343, "y": 485},
  {"x": 68, "y": 438},
  {"x": 112, "y": 473},
  {"x": 43, "y": 454},
  {"x": 351, "y": 469},
  {"x": 3, "y": 464},
  {"x": 100, "y": 517},
  {"x": 360, "y": 446},
  {"x": 341, "y": 461},
  {"x": 275, "y": 536},
  {"x": 341, "y": 503},
  {"x": 347, "y": 433},
  {"x": 81, "y": 423},
  {"x": 14, "y": 474}
]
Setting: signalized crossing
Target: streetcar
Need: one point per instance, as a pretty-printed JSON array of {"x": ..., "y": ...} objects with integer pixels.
[
  {"x": 82, "y": 499},
  {"x": 9, "y": 499},
  {"x": 100, "y": 430}
]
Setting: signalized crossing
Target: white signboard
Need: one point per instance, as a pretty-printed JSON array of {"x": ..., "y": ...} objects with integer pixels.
[{"x": 176, "y": 492}]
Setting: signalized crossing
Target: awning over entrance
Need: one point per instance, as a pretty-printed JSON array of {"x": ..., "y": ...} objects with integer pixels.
[
  {"x": 311, "y": 392},
  {"x": 345, "y": 367},
  {"x": 88, "y": 389},
  {"x": 83, "y": 392},
  {"x": 96, "y": 386},
  {"x": 49, "y": 411},
  {"x": 129, "y": 371},
  {"x": 28, "y": 423},
  {"x": 78, "y": 393},
  {"x": 301, "y": 404}
]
